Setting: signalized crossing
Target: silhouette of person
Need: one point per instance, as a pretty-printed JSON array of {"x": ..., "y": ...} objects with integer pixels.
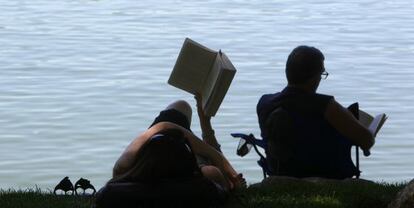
[
  {"x": 321, "y": 131},
  {"x": 166, "y": 151}
]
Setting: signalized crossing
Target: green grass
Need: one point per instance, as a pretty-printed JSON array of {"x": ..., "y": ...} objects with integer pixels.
[
  {"x": 306, "y": 194},
  {"x": 291, "y": 194},
  {"x": 36, "y": 198}
]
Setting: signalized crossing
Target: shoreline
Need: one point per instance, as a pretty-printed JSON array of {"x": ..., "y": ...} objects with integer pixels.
[{"x": 279, "y": 192}]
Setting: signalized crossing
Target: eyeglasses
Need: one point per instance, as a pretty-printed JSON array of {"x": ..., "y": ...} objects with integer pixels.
[{"x": 324, "y": 75}]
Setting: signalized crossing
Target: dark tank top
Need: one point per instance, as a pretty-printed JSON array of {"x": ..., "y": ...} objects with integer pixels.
[{"x": 314, "y": 148}]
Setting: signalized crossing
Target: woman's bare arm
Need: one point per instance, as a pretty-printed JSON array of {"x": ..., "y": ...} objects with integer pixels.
[{"x": 343, "y": 120}]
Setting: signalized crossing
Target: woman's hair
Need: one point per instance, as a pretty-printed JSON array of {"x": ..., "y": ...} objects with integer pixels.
[
  {"x": 166, "y": 156},
  {"x": 303, "y": 63}
]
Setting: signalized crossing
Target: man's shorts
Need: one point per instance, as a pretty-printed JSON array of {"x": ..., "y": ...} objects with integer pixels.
[{"x": 173, "y": 116}]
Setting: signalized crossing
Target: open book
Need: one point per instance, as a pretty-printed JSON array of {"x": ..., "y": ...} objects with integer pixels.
[
  {"x": 199, "y": 69},
  {"x": 374, "y": 124}
]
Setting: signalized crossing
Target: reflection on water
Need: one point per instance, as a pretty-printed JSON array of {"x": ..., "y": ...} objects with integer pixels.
[{"x": 80, "y": 79}]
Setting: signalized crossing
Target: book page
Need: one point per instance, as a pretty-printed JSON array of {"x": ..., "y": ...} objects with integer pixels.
[
  {"x": 211, "y": 80},
  {"x": 377, "y": 123},
  {"x": 227, "y": 63},
  {"x": 365, "y": 118},
  {"x": 192, "y": 67},
  {"x": 221, "y": 86}
]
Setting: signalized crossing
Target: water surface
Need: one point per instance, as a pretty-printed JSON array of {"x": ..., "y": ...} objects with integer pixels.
[{"x": 80, "y": 79}]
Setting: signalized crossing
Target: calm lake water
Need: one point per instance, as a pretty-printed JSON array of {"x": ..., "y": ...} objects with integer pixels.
[{"x": 80, "y": 79}]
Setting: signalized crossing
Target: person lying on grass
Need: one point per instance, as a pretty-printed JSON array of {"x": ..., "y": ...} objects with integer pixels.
[{"x": 169, "y": 150}]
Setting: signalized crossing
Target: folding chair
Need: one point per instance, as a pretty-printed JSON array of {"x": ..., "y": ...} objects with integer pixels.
[{"x": 247, "y": 141}]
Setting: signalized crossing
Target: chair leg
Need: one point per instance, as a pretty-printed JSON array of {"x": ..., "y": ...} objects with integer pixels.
[{"x": 357, "y": 160}]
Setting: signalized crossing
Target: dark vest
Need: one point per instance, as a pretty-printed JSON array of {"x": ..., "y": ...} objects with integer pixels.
[{"x": 301, "y": 143}]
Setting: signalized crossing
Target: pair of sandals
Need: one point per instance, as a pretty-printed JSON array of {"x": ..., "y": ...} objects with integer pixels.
[{"x": 66, "y": 185}]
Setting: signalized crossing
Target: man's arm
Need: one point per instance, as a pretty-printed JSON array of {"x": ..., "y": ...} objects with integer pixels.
[
  {"x": 229, "y": 175},
  {"x": 207, "y": 130},
  {"x": 343, "y": 120},
  {"x": 216, "y": 158},
  {"x": 128, "y": 157}
]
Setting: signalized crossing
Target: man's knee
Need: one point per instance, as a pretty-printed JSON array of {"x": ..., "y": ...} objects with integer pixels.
[
  {"x": 214, "y": 174},
  {"x": 211, "y": 170},
  {"x": 183, "y": 107}
]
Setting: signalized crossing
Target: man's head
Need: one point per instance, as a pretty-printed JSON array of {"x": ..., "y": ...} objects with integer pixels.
[{"x": 304, "y": 63}]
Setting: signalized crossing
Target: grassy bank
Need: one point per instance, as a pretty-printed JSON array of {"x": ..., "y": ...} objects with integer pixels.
[
  {"x": 36, "y": 198},
  {"x": 291, "y": 194},
  {"x": 296, "y": 194}
]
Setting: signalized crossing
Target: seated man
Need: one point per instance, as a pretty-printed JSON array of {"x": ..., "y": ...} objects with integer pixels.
[
  {"x": 309, "y": 134},
  {"x": 165, "y": 153}
]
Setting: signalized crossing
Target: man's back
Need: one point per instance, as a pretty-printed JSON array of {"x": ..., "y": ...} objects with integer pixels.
[{"x": 305, "y": 144}]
